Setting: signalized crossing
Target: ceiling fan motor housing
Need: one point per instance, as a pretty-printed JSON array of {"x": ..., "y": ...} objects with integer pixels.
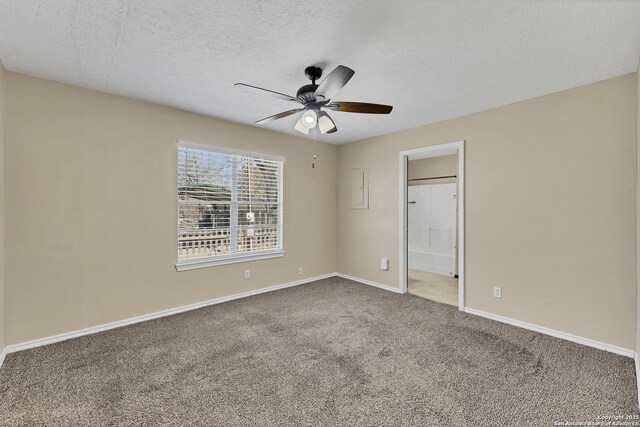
[{"x": 306, "y": 93}]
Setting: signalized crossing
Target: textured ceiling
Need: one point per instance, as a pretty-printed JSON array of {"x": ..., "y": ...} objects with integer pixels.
[{"x": 431, "y": 60}]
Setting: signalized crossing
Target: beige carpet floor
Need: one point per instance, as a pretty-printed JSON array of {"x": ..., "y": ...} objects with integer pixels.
[
  {"x": 435, "y": 287},
  {"x": 329, "y": 353}
]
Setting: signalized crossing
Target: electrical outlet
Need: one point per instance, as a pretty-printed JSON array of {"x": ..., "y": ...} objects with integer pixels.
[
  {"x": 497, "y": 292},
  {"x": 247, "y": 274},
  {"x": 300, "y": 270}
]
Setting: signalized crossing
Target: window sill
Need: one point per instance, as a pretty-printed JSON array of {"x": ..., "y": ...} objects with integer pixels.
[{"x": 226, "y": 259}]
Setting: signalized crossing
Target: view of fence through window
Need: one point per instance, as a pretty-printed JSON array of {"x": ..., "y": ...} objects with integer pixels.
[{"x": 227, "y": 203}]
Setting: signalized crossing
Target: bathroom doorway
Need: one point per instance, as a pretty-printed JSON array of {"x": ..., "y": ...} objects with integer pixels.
[
  {"x": 431, "y": 226},
  {"x": 432, "y": 216}
]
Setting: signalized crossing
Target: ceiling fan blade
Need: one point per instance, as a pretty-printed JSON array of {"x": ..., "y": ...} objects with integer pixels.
[
  {"x": 279, "y": 116},
  {"x": 256, "y": 89},
  {"x": 360, "y": 107},
  {"x": 334, "y": 82},
  {"x": 325, "y": 124}
]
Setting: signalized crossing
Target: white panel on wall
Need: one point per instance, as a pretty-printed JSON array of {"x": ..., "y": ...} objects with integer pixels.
[{"x": 359, "y": 189}]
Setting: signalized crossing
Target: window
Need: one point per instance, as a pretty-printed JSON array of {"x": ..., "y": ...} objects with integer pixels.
[{"x": 229, "y": 206}]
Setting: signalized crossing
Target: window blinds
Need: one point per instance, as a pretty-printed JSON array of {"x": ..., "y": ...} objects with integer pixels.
[{"x": 229, "y": 203}]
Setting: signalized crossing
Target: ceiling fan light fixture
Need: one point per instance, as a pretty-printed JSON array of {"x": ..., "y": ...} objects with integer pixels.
[
  {"x": 301, "y": 128},
  {"x": 325, "y": 124},
  {"x": 309, "y": 119}
]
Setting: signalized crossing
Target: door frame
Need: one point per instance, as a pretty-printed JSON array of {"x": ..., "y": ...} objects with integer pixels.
[{"x": 439, "y": 150}]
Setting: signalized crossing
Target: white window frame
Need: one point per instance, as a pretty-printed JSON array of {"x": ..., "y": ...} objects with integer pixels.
[{"x": 242, "y": 257}]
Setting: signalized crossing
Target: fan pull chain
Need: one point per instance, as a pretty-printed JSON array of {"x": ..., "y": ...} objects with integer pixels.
[{"x": 315, "y": 146}]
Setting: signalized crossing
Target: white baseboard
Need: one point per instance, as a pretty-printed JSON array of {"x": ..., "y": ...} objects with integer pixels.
[
  {"x": 563, "y": 335},
  {"x": 119, "y": 323},
  {"x": 370, "y": 283},
  {"x": 3, "y": 354}
]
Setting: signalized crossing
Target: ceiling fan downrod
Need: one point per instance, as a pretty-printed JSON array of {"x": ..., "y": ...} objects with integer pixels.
[{"x": 307, "y": 92}]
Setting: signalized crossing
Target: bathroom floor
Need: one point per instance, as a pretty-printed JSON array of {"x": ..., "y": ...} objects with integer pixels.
[{"x": 435, "y": 287}]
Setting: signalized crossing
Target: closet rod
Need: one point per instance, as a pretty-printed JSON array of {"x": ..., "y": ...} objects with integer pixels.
[{"x": 435, "y": 177}]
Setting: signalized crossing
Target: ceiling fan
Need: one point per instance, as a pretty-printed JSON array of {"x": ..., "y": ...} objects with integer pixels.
[{"x": 315, "y": 99}]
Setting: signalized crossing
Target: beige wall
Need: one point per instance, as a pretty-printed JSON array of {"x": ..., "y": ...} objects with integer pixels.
[
  {"x": 91, "y": 209},
  {"x": 3, "y": 111},
  {"x": 433, "y": 167},
  {"x": 550, "y": 208}
]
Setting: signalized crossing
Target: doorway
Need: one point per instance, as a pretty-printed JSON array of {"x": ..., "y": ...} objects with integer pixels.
[
  {"x": 432, "y": 226},
  {"x": 431, "y": 230}
]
